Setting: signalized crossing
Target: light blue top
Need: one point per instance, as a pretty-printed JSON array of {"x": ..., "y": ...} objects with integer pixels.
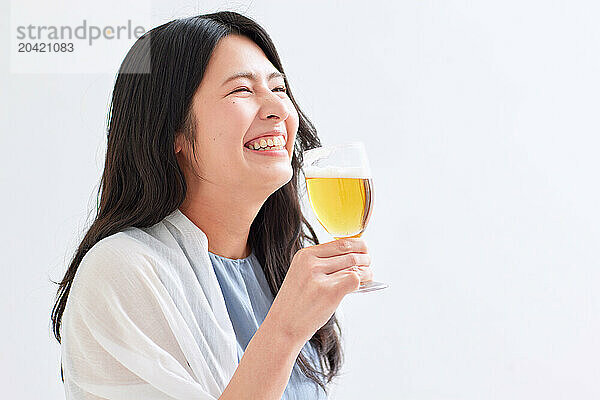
[{"x": 248, "y": 299}]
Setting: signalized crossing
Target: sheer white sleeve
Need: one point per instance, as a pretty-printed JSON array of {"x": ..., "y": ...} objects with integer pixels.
[{"x": 124, "y": 336}]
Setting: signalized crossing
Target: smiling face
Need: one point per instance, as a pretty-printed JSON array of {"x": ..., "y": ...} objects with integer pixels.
[{"x": 231, "y": 114}]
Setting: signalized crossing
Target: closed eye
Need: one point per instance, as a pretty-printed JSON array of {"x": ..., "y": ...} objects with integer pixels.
[
  {"x": 240, "y": 90},
  {"x": 282, "y": 89}
]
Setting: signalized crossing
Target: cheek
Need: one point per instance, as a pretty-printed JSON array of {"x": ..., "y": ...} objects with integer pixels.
[
  {"x": 235, "y": 117},
  {"x": 292, "y": 123},
  {"x": 239, "y": 107},
  {"x": 228, "y": 123}
]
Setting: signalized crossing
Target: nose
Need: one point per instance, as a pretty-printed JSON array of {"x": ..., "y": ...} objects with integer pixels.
[{"x": 274, "y": 107}]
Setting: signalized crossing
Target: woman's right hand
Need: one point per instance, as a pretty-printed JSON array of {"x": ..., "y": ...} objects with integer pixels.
[{"x": 318, "y": 278}]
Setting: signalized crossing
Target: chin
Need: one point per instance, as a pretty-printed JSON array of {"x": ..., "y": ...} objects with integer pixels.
[{"x": 275, "y": 181}]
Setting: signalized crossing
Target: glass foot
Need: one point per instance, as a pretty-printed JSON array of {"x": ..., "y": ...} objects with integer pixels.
[{"x": 370, "y": 286}]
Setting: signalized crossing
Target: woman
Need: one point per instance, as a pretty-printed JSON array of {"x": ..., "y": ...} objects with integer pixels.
[{"x": 192, "y": 282}]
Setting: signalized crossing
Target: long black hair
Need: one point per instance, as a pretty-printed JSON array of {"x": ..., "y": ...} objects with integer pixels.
[{"x": 142, "y": 181}]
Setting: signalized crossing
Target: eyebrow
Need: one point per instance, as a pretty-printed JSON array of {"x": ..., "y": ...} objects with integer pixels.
[{"x": 253, "y": 76}]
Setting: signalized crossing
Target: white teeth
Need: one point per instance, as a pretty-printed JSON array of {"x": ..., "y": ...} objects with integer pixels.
[
  {"x": 271, "y": 148},
  {"x": 276, "y": 141}
]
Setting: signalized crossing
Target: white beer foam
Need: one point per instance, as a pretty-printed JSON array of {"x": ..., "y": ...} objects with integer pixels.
[{"x": 337, "y": 172}]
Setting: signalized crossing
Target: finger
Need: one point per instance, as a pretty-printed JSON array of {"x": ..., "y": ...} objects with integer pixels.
[
  {"x": 348, "y": 280},
  {"x": 331, "y": 265},
  {"x": 340, "y": 246},
  {"x": 351, "y": 278},
  {"x": 366, "y": 274}
]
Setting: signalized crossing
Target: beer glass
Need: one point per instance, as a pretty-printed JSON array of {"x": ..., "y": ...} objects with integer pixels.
[{"x": 340, "y": 192}]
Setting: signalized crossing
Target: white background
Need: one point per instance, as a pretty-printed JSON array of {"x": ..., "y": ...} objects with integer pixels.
[{"x": 481, "y": 120}]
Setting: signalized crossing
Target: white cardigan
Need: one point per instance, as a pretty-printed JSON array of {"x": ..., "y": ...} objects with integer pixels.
[{"x": 146, "y": 319}]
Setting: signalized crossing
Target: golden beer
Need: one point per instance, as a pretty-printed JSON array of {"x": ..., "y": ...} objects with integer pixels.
[{"x": 342, "y": 205}]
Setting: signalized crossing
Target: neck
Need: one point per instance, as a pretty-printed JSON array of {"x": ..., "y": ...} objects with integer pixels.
[{"x": 225, "y": 217}]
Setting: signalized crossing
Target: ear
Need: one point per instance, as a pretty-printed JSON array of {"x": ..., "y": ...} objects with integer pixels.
[{"x": 178, "y": 142}]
